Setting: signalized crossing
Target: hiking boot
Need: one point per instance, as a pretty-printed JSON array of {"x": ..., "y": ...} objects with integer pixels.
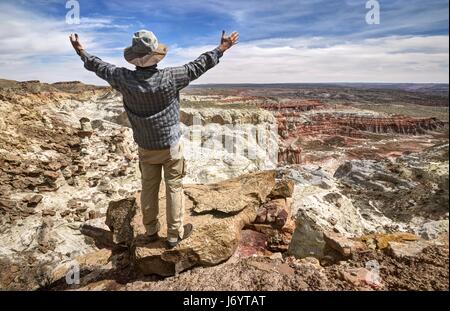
[
  {"x": 188, "y": 228},
  {"x": 152, "y": 238}
]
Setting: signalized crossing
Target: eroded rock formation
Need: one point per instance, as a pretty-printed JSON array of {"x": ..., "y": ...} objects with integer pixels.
[
  {"x": 328, "y": 126},
  {"x": 218, "y": 213},
  {"x": 66, "y": 154},
  {"x": 223, "y": 143},
  {"x": 363, "y": 197},
  {"x": 334, "y": 122}
]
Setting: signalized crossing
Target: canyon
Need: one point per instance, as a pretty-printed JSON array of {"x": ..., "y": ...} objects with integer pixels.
[{"x": 292, "y": 188}]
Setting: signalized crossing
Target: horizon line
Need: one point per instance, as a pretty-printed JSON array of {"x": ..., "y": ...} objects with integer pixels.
[{"x": 245, "y": 83}]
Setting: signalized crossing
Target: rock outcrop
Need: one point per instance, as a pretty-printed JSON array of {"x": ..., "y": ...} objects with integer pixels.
[
  {"x": 217, "y": 211},
  {"x": 370, "y": 197},
  {"x": 224, "y": 143},
  {"x": 413, "y": 186},
  {"x": 274, "y": 218}
]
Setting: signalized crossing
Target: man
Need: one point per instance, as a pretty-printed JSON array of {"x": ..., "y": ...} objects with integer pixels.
[{"x": 151, "y": 100}]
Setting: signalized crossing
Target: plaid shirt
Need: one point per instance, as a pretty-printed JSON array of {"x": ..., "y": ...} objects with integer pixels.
[{"x": 151, "y": 96}]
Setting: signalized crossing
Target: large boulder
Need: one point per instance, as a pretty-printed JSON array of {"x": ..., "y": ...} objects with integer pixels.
[
  {"x": 308, "y": 238},
  {"x": 118, "y": 218},
  {"x": 407, "y": 249},
  {"x": 433, "y": 229},
  {"x": 233, "y": 195},
  {"x": 218, "y": 212},
  {"x": 283, "y": 189}
]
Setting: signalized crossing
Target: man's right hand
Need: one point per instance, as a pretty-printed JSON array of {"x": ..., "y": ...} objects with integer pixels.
[
  {"x": 227, "y": 42},
  {"x": 78, "y": 47}
]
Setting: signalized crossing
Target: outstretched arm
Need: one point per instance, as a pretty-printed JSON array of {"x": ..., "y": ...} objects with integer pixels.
[
  {"x": 183, "y": 75},
  {"x": 104, "y": 70}
]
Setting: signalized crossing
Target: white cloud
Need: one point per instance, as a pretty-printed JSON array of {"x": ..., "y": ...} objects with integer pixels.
[
  {"x": 37, "y": 47},
  {"x": 391, "y": 59},
  {"x": 24, "y": 34}
]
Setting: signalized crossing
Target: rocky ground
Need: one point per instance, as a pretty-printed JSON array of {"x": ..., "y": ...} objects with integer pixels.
[
  {"x": 288, "y": 193},
  {"x": 429, "y": 271}
]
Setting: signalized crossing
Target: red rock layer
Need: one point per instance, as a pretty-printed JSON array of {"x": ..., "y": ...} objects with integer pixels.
[
  {"x": 351, "y": 125},
  {"x": 293, "y": 123},
  {"x": 394, "y": 124}
]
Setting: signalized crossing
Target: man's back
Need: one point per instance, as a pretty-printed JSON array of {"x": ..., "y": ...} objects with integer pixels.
[{"x": 151, "y": 96}]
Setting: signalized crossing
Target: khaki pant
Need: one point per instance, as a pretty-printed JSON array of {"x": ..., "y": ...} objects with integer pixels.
[{"x": 151, "y": 162}]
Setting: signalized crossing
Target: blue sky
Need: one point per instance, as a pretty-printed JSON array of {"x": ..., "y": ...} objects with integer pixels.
[{"x": 281, "y": 41}]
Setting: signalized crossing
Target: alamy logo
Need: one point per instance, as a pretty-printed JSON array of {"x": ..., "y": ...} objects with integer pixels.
[
  {"x": 232, "y": 142},
  {"x": 373, "y": 15},
  {"x": 373, "y": 277},
  {"x": 73, "y": 275},
  {"x": 73, "y": 15}
]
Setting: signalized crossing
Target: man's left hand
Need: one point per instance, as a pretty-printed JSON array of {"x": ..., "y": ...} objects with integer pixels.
[{"x": 227, "y": 42}]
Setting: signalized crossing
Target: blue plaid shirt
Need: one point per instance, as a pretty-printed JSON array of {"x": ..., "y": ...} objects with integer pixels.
[{"x": 151, "y": 95}]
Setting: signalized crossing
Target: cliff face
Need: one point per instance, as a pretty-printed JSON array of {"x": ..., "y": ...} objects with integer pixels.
[
  {"x": 348, "y": 121},
  {"x": 58, "y": 169},
  {"x": 223, "y": 143},
  {"x": 374, "y": 124},
  {"x": 354, "y": 125},
  {"x": 301, "y": 122}
]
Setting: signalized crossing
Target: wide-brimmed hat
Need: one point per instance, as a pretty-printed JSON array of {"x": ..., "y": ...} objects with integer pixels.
[{"x": 145, "y": 49}]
